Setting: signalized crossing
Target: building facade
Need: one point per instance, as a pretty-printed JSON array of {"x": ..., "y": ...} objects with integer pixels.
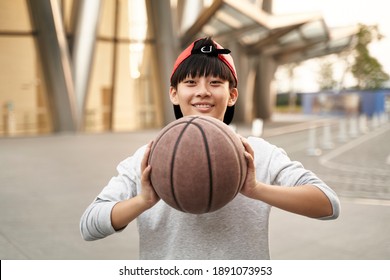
[{"x": 104, "y": 65}]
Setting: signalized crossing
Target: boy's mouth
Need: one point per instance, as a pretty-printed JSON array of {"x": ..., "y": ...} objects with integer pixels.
[{"x": 202, "y": 105}]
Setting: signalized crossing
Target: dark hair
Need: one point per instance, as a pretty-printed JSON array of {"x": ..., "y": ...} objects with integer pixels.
[{"x": 202, "y": 65}]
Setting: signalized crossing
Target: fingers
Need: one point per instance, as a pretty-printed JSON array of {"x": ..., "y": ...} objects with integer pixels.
[
  {"x": 249, "y": 154},
  {"x": 247, "y": 146},
  {"x": 145, "y": 177},
  {"x": 145, "y": 159},
  {"x": 145, "y": 167},
  {"x": 148, "y": 193}
]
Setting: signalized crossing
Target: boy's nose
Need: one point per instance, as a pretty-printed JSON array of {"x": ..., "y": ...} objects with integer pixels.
[{"x": 203, "y": 91}]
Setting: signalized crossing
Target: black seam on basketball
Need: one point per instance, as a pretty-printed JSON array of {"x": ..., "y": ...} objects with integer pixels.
[
  {"x": 173, "y": 163},
  {"x": 155, "y": 145},
  {"x": 159, "y": 138},
  {"x": 208, "y": 164},
  {"x": 237, "y": 151}
]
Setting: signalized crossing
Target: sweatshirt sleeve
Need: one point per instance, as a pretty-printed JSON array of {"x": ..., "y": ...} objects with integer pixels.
[
  {"x": 95, "y": 222},
  {"x": 280, "y": 170}
]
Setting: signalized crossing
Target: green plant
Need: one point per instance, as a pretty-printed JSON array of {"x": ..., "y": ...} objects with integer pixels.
[
  {"x": 367, "y": 69},
  {"x": 325, "y": 76}
]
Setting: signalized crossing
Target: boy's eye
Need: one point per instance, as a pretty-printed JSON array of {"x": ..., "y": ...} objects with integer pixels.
[
  {"x": 216, "y": 82},
  {"x": 189, "y": 82}
]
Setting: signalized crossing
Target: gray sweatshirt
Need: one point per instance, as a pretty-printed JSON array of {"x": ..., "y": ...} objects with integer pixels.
[{"x": 239, "y": 230}]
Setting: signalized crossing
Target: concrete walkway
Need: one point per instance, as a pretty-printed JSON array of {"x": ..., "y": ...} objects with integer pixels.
[{"x": 47, "y": 182}]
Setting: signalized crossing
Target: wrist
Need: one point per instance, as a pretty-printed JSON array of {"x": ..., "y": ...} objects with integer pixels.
[
  {"x": 257, "y": 191},
  {"x": 144, "y": 203}
]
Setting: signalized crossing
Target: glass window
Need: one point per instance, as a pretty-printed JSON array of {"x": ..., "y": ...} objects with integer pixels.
[
  {"x": 23, "y": 99},
  {"x": 122, "y": 94}
]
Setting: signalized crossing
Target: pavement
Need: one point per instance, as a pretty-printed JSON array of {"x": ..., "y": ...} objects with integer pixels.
[{"x": 46, "y": 182}]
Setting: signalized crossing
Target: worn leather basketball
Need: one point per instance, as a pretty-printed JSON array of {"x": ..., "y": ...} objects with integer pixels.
[{"x": 198, "y": 164}]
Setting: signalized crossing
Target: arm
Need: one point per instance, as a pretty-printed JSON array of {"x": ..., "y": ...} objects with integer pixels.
[
  {"x": 307, "y": 199},
  {"x": 127, "y": 210},
  {"x": 119, "y": 203}
]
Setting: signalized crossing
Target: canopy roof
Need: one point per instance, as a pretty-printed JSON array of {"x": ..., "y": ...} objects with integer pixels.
[{"x": 288, "y": 38}]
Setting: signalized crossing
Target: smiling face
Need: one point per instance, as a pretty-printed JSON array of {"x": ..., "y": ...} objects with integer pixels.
[
  {"x": 203, "y": 95},
  {"x": 204, "y": 81}
]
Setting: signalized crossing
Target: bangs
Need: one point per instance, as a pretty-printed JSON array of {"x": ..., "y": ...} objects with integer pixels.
[{"x": 202, "y": 65}]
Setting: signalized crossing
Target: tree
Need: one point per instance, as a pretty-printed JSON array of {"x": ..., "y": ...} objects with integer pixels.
[
  {"x": 366, "y": 69},
  {"x": 325, "y": 76}
]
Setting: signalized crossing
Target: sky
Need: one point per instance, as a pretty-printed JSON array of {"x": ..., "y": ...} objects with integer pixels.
[{"x": 342, "y": 13}]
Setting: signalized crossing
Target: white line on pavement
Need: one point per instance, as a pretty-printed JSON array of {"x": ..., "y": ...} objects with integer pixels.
[{"x": 326, "y": 160}]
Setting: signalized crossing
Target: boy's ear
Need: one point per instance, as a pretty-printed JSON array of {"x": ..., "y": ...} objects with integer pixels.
[
  {"x": 233, "y": 97},
  {"x": 173, "y": 95}
]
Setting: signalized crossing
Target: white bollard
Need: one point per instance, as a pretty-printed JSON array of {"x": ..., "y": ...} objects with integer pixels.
[
  {"x": 312, "y": 149},
  {"x": 386, "y": 117},
  {"x": 383, "y": 118},
  {"x": 353, "y": 127},
  {"x": 342, "y": 136},
  {"x": 10, "y": 119},
  {"x": 363, "y": 127},
  {"x": 257, "y": 127},
  {"x": 327, "y": 142},
  {"x": 375, "y": 121}
]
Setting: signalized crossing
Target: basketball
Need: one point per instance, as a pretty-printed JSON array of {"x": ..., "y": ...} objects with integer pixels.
[{"x": 198, "y": 164}]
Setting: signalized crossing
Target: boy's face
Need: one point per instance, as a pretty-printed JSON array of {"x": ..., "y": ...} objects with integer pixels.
[{"x": 208, "y": 96}]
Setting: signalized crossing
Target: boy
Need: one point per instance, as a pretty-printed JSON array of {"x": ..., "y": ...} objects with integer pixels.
[{"x": 204, "y": 82}]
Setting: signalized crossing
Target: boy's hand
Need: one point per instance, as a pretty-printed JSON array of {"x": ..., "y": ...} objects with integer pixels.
[
  {"x": 249, "y": 187},
  {"x": 148, "y": 193}
]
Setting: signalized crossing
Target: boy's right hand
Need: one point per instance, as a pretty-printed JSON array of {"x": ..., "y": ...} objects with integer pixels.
[
  {"x": 148, "y": 193},
  {"x": 126, "y": 211}
]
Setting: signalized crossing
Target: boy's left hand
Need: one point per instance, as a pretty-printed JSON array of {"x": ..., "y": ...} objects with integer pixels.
[{"x": 248, "y": 189}]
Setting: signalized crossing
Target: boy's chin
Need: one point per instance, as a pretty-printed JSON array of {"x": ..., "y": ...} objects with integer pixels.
[{"x": 205, "y": 115}]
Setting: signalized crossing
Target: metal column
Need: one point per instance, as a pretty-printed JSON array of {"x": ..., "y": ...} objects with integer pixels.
[
  {"x": 56, "y": 63},
  {"x": 160, "y": 18},
  {"x": 87, "y": 18}
]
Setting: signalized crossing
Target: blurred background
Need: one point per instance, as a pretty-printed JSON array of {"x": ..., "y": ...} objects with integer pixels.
[
  {"x": 96, "y": 66},
  {"x": 88, "y": 80}
]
